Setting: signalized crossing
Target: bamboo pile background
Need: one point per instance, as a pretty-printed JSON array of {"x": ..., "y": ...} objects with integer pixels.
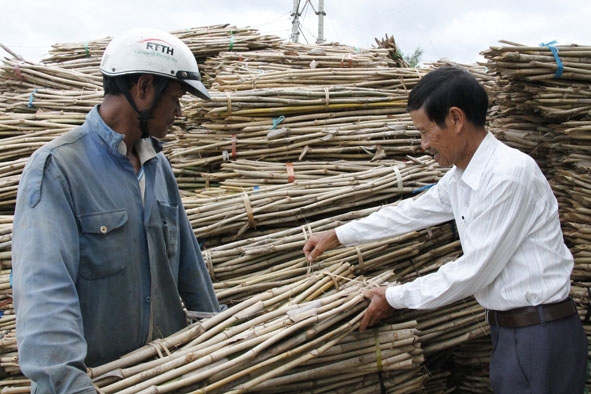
[
  {"x": 544, "y": 104},
  {"x": 299, "y": 139}
]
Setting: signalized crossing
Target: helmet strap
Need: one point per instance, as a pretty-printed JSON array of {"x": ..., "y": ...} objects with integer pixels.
[{"x": 146, "y": 114}]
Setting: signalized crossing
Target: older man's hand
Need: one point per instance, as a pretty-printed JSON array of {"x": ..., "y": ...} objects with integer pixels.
[
  {"x": 318, "y": 243},
  {"x": 378, "y": 308}
]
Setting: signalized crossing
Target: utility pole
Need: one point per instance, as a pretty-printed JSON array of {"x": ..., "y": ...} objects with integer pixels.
[
  {"x": 321, "y": 14},
  {"x": 295, "y": 23}
]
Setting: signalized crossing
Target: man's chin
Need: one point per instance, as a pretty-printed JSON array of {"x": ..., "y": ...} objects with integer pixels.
[{"x": 442, "y": 162}]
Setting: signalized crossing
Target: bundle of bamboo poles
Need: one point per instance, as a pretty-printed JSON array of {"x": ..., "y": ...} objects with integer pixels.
[
  {"x": 395, "y": 344},
  {"x": 280, "y": 336},
  {"x": 244, "y": 173},
  {"x": 16, "y": 74},
  {"x": 15, "y": 125},
  {"x": 299, "y": 100},
  {"x": 540, "y": 63},
  {"x": 52, "y": 100},
  {"x": 543, "y": 112},
  {"x": 9, "y": 180},
  {"x": 204, "y": 41},
  {"x": 537, "y": 86},
  {"x": 276, "y": 204},
  {"x": 573, "y": 191},
  {"x": 290, "y": 57},
  {"x": 246, "y": 77}
]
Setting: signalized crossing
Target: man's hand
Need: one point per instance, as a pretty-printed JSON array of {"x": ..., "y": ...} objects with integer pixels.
[
  {"x": 378, "y": 308},
  {"x": 318, "y": 243}
]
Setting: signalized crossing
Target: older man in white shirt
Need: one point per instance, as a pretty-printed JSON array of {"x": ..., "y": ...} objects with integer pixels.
[{"x": 514, "y": 260}]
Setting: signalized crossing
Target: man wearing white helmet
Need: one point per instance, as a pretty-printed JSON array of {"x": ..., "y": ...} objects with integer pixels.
[{"x": 103, "y": 252}]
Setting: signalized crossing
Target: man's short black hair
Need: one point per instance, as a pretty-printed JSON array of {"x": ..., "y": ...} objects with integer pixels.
[
  {"x": 447, "y": 87},
  {"x": 110, "y": 85}
]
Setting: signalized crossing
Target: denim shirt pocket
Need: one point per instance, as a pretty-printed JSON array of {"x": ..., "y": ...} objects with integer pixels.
[
  {"x": 103, "y": 244},
  {"x": 169, "y": 213}
]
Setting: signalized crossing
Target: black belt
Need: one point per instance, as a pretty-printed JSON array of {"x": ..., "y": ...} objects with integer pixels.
[{"x": 531, "y": 315}]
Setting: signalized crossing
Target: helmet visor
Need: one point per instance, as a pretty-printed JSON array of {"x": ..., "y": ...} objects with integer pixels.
[{"x": 192, "y": 81}]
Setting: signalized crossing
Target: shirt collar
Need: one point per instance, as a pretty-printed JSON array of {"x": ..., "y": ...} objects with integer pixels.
[
  {"x": 474, "y": 172},
  {"x": 143, "y": 147},
  {"x": 114, "y": 140}
]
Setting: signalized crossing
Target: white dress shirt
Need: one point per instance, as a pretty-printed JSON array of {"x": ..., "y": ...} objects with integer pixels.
[{"x": 507, "y": 218}]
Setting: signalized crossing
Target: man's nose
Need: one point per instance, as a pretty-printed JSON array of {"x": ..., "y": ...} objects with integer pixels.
[
  {"x": 178, "y": 111},
  {"x": 424, "y": 143}
]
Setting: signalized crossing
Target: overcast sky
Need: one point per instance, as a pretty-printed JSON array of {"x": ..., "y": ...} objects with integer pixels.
[{"x": 453, "y": 29}]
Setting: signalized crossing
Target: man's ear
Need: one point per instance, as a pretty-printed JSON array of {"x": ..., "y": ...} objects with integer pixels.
[
  {"x": 456, "y": 117},
  {"x": 144, "y": 86},
  {"x": 142, "y": 91}
]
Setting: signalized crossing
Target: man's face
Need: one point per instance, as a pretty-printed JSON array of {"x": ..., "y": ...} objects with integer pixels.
[
  {"x": 437, "y": 141},
  {"x": 167, "y": 109}
]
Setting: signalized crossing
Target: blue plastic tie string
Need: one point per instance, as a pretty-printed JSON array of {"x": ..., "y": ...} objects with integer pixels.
[
  {"x": 277, "y": 121},
  {"x": 31, "y": 97},
  {"x": 231, "y": 40},
  {"x": 554, "y": 50}
]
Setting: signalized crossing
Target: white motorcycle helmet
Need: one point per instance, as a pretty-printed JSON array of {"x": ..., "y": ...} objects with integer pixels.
[{"x": 151, "y": 51}]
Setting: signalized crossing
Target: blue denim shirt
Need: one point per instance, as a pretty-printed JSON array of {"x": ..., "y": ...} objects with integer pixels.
[{"x": 97, "y": 272}]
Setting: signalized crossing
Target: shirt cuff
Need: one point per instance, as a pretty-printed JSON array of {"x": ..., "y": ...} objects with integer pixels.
[
  {"x": 394, "y": 297},
  {"x": 345, "y": 236}
]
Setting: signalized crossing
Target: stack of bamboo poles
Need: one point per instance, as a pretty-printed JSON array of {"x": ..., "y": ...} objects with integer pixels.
[
  {"x": 340, "y": 119},
  {"x": 300, "y": 56},
  {"x": 294, "y": 138},
  {"x": 354, "y": 136},
  {"x": 18, "y": 125},
  {"x": 543, "y": 105},
  {"x": 21, "y": 136},
  {"x": 370, "y": 258},
  {"x": 38, "y": 103},
  {"x": 539, "y": 89},
  {"x": 243, "y": 267}
]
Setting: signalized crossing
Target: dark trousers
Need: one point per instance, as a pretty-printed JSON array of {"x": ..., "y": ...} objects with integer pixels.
[{"x": 549, "y": 358}]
